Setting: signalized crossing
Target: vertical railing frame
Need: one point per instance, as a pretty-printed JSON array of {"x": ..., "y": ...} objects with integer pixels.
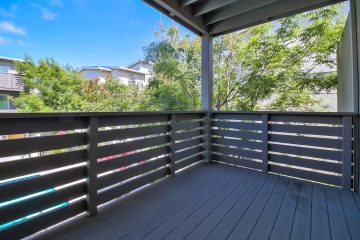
[
  {"x": 207, "y": 90},
  {"x": 347, "y": 134},
  {"x": 172, "y": 144},
  {"x": 265, "y": 142},
  {"x": 91, "y": 181}
]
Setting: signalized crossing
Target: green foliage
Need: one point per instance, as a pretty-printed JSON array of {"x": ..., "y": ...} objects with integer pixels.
[
  {"x": 176, "y": 73},
  {"x": 49, "y": 87},
  {"x": 274, "y": 63},
  {"x": 109, "y": 96},
  {"x": 272, "y": 66}
]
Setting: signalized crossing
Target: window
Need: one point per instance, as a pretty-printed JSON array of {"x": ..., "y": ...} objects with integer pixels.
[
  {"x": 4, "y": 69},
  {"x": 4, "y": 102}
]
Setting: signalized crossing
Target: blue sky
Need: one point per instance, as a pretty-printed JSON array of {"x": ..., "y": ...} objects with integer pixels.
[{"x": 78, "y": 32}]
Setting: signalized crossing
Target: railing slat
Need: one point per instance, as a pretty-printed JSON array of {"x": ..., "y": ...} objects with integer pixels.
[
  {"x": 237, "y": 134},
  {"x": 122, "y": 175},
  {"x": 237, "y": 152},
  {"x": 35, "y": 125},
  {"x": 41, "y": 222},
  {"x": 124, "y": 147},
  {"x": 21, "y": 188},
  {"x": 121, "y": 134},
  {"x": 40, "y": 203},
  {"x": 237, "y": 161},
  {"x": 27, "y": 166},
  {"x": 21, "y": 146},
  {"x": 237, "y": 143},
  {"x": 132, "y": 185},
  {"x": 126, "y": 160},
  {"x": 306, "y": 141},
  {"x": 305, "y": 151},
  {"x": 187, "y": 152}
]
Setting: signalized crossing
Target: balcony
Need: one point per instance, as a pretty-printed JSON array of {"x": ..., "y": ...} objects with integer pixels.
[
  {"x": 267, "y": 175},
  {"x": 11, "y": 82}
]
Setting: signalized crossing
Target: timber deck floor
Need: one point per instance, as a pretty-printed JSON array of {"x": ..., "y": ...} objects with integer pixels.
[{"x": 216, "y": 201}]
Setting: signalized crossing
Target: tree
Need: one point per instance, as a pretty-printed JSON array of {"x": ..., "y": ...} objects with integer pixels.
[
  {"x": 48, "y": 87},
  {"x": 176, "y": 74},
  {"x": 109, "y": 96},
  {"x": 269, "y": 66}
]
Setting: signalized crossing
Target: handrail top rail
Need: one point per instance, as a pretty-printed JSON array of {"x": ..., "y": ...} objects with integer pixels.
[
  {"x": 289, "y": 113},
  {"x": 89, "y": 114}
]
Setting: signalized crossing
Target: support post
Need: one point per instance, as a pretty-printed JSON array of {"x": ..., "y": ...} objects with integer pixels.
[
  {"x": 91, "y": 181},
  {"x": 265, "y": 142},
  {"x": 207, "y": 89},
  {"x": 346, "y": 152},
  {"x": 355, "y": 42},
  {"x": 172, "y": 145}
]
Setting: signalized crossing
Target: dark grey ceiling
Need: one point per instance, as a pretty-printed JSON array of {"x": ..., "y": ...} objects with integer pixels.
[{"x": 217, "y": 17}]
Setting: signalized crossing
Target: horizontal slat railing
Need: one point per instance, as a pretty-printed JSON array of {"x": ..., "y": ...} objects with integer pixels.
[
  {"x": 11, "y": 82},
  {"x": 56, "y": 166},
  {"x": 310, "y": 146},
  {"x": 60, "y": 165}
]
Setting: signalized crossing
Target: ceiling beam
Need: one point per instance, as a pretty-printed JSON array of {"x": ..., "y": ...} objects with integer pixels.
[
  {"x": 182, "y": 15},
  {"x": 235, "y": 9},
  {"x": 277, "y": 10},
  {"x": 188, "y": 2},
  {"x": 210, "y": 5}
]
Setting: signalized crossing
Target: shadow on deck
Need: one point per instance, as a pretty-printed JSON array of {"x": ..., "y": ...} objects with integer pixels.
[{"x": 223, "y": 202}]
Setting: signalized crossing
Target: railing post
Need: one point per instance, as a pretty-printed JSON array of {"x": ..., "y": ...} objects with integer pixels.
[
  {"x": 208, "y": 137},
  {"x": 346, "y": 152},
  {"x": 172, "y": 144},
  {"x": 91, "y": 181},
  {"x": 265, "y": 141}
]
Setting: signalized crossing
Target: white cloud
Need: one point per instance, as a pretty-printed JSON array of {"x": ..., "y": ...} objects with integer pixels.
[
  {"x": 46, "y": 13},
  {"x": 55, "y": 3},
  {"x": 10, "y": 27},
  {"x": 4, "y": 40}
]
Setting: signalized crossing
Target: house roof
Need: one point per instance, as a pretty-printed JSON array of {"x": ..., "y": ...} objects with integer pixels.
[
  {"x": 11, "y": 59},
  {"x": 110, "y": 68},
  {"x": 139, "y": 61},
  {"x": 218, "y": 17}
]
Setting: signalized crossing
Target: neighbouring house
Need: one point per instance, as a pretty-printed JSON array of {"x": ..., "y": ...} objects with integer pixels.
[
  {"x": 138, "y": 72},
  {"x": 10, "y": 83}
]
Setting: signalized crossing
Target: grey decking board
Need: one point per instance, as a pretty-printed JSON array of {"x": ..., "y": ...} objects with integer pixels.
[
  {"x": 301, "y": 229},
  {"x": 162, "y": 231},
  {"x": 320, "y": 228},
  {"x": 352, "y": 216},
  {"x": 357, "y": 199},
  {"x": 285, "y": 218},
  {"x": 243, "y": 190},
  {"x": 167, "y": 201},
  {"x": 204, "y": 228},
  {"x": 171, "y": 222},
  {"x": 338, "y": 226},
  {"x": 160, "y": 188},
  {"x": 265, "y": 223},
  {"x": 159, "y": 213},
  {"x": 224, "y": 228},
  {"x": 244, "y": 226}
]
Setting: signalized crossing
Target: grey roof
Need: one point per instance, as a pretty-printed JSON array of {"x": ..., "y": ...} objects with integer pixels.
[{"x": 217, "y": 17}]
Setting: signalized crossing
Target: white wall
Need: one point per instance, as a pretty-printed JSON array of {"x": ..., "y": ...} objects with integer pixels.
[
  {"x": 126, "y": 76},
  {"x": 345, "y": 71},
  {"x": 94, "y": 73}
]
